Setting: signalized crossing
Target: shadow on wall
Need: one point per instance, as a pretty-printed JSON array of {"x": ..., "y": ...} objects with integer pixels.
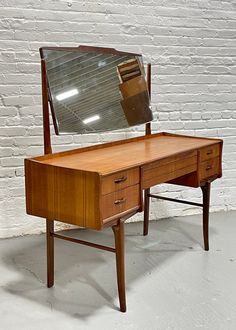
[{"x": 85, "y": 278}]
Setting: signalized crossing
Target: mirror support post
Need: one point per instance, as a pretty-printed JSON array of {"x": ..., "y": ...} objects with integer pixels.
[
  {"x": 47, "y": 150},
  {"x": 149, "y": 72},
  {"x": 147, "y": 191},
  {"x": 46, "y": 122}
]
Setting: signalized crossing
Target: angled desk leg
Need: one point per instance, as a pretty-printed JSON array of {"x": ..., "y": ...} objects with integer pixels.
[
  {"x": 120, "y": 262},
  {"x": 146, "y": 211},
  {"x": 50, "y": 252},
  {"x": 206, "y": 204}
]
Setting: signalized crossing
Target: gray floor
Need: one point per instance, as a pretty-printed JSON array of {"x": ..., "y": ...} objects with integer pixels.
[{"x": 171, "y": 282}]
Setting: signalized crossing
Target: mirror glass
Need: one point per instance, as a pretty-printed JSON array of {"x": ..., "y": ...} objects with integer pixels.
[{"x": 95, "y": 89}]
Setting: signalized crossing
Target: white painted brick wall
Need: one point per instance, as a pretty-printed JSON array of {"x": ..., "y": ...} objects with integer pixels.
[{"x": 192, "y": 47}]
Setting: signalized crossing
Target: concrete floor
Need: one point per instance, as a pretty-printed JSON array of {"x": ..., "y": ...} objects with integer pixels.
[{"x": 171, "y": 282}]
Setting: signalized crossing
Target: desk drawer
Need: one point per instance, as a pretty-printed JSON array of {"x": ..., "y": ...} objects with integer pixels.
[
  {"x": 209, "y": 152},
  {"x": 167, "y": 169},
  {"x": 120, "y": 180},
  {"x": 209, "y": 168},
  {"x": 120, "y": 201}
]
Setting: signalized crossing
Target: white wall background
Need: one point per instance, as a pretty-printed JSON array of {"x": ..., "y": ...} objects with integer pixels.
[{"x": 192, "y": 47}]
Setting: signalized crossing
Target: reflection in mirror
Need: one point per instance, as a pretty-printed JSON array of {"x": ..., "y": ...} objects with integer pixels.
[{"x": 95, "y": 89}]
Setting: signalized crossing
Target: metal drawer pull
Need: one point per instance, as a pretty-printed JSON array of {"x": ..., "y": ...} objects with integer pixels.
[
  {"x": 209, "y": 152},
  {"x": 120, "y": 201},
  {"x": 209, "y": 167},
  {"x": 122, "y": 179}
]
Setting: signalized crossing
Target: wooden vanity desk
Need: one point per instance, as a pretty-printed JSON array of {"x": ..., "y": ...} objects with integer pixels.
[
  {"x": 103, "y": 185},
  {"x": 94, "y": 186}
]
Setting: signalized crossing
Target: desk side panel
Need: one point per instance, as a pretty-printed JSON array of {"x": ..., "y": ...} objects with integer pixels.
[
  {"x": 62, "y": 194},
  {"x": 39, "y": 188}
]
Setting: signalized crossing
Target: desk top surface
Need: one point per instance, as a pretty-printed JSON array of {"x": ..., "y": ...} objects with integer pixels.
[{"x": 116, "y": 156}]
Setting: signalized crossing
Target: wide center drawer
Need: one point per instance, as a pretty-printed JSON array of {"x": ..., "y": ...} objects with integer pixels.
[
  {"x": 167, "y": 169},
  {"x": 120, "y": 201},
  {"x": 119, "y": 180}
]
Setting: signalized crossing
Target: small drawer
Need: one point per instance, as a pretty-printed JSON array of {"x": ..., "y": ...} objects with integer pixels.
[
  {"x": 120, "y": 201},
  {"x": 209, "y": 152},
  {"x": 168, "y": 169},
  {"x": 120, "y": 180},
  {"x": 209, "y": 168}
]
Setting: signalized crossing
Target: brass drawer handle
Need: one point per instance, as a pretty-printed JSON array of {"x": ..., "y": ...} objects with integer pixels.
[
  {"x": 209, "y": 167},
  {"x": 120, "y": 201},
  {"x": 209, "y": 152},
  {"x": 122, "y": 179}
]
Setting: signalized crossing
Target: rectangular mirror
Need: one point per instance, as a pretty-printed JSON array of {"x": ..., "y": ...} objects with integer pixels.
[{"x": 95, "y": 89}]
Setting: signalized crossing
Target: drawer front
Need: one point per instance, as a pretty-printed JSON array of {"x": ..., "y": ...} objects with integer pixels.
[
  {"x": 209, "y": 152},
  {"x": 120, "y": 201},
  {"x": 209, "y": 168},
  {"x": 161, "y": 171},
  {"x": 120, "y": 180}
]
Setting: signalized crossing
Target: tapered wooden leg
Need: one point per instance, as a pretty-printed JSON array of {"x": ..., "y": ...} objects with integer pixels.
[
  {"x": 206, "y": 204},
  {"x": 120, "y": 263},
  {"x": 146, "y": 211},
  {"x": 50, "y": 252}
]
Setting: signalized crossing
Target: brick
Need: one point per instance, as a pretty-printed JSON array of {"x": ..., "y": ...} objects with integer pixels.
[
  {"x": 12, "y": 131},
  {"x": 8, "y": 162},
  {"x": 27, "y": 141},
  {"x": 4, "y": 152},
  {"x": 8, "y": 111},
  {"x": 6, "y": 142}
]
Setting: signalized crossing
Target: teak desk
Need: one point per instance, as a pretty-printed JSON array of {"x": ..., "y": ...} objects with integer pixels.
[{"x": 101, "y": 186}]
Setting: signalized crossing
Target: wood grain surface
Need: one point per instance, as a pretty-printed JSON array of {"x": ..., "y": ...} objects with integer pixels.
[
  {"x": 93, "y": 186},
  {"x": 117, "y": 156}
]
